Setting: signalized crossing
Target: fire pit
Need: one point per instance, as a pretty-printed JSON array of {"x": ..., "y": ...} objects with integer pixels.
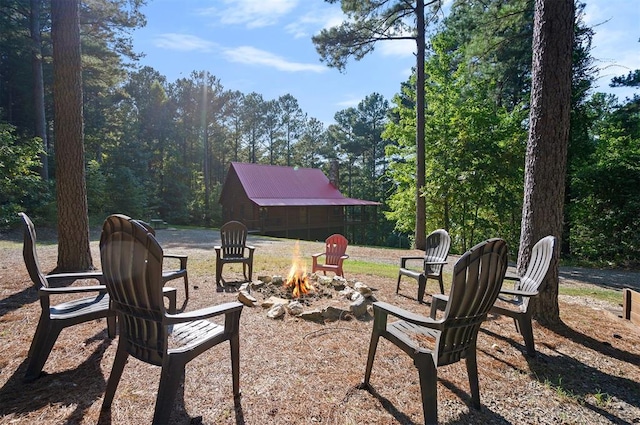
[{"x": 293, "y": 296}]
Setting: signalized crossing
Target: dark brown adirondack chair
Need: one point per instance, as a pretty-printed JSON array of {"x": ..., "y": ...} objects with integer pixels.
[
  {"x": 132, "y": 267},
  {"x": 515, "y": 302},
  {"x": 431, "y": 343},
  {"x": 54, "y": 318},
  {"x": 334, "y": 254},
  {"x": 171, "y": 274},
  {"x": 234, "y": 249},
  {"x": 435, "y": 257}
]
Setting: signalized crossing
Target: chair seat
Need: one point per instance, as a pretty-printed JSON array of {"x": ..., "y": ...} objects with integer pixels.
[
  {"x": 418, "y": 338},
  {"x": 87, "y": 307},
  {"x": 187, "y": 336}
]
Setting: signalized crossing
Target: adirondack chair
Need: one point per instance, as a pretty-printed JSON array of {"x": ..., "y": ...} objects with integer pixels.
[
  {"x": 431, "y": 343},
  {"x": 55, "y": 318},
  {"x": 435, "y": 257},
  {"x": 178, "y": 273},
  {"x": 234, "y": 249},
  {"x": 334, "y": 255},
  {"x": 132, "y": 267},
  {"x": 515, "y": 302}
]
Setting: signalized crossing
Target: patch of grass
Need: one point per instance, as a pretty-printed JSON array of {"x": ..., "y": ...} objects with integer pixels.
[
  {"x": 561, "y": 392},
  {"x": 366, "y": 267},
  {"x": 602, "y": 294},
  {"x": 602, "y": 399}
]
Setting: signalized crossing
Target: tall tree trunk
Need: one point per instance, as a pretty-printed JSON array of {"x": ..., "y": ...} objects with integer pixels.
[
  {"x": 546, "y": 156},
  {"x": 421, "y": 203},
  {"x": 73, "y": 221},
  {"x": 40, "y": 126}
]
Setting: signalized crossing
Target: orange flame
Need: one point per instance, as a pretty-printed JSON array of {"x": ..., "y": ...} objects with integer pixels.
[{"x": 297, "y": 278}]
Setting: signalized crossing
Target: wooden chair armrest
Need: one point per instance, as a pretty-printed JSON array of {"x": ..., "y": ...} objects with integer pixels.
[
  {"x": 204, "y": 313},
  {"x": 72, "y": 290},
  {"x": 406, "y": 315},
  {"x": 519, "y": 293},
  {"x": 403, "y": 260},
  {"x": 344, "y": 257},
  {"x": 317, "y": 255},
  {"x": 73, "y": 276},
  {"x": 435, "y": 263},
  {"x": 180, "y": 257}
]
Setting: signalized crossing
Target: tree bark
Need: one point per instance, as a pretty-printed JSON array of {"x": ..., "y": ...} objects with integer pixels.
[
  {"x": 546, "y": 156},
  {"x": 421, "y": 203},
  {"x": 74, "y": 253}
]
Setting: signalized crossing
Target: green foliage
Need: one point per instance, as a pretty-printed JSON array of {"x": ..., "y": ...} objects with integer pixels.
[
  {"x": 21, "y": 188},
  {"x": 606, "y": 199}
]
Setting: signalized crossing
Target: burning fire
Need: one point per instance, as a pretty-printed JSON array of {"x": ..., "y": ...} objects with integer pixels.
[{"x": 297, "y": 278}]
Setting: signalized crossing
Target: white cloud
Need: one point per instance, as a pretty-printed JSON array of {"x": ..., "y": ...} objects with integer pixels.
[
  {"x": 183, "y": 42},
  {"x": 350, "y": 102},
  {"x": 252, "y": 56},
  {"x": 252, "y": 13},
  {"x": 397, "y": 48},
  {"x": 315, "y": 18}
]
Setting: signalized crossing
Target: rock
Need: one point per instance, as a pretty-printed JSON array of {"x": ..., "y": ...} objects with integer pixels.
[
  {"x": 363, "y": 289},
  {"x": 323, "y": 280},
  {"x": 313, "y": 315},
  {"x": 246, "y": 298},
  {"x": 347, "y": 292},
  {"x": 332, "y": 314},
  {"x": 359, "y": 306},
  {"x": 295, "y": 308},
  {"x": 338, "y": 283},
  {"x": 273, "y": 301},
  {"x": 276, "y": 312},
  {"x": 264, "y": 279},
  {"x": 277, "y": 280},
  {"x": 257, "y": 284}
]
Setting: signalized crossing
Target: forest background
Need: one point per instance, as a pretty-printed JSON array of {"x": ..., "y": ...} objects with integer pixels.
[{"x": 156, "y": 148}]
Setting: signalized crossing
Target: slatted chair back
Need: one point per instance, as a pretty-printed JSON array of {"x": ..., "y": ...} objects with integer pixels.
[
  {"x": 477, "y": 278},
  {"x": 30, "y": 254},
  {"x": 437, "y": 248},
  {"x": 135, "y": 285},
  {"x": 233, "y": 235},
  {"x": 335, "y": 248},
  {"x": 541, "y": 255}
]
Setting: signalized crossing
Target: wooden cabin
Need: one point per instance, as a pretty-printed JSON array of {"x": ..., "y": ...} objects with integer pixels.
[{"x": 291, "y": 202}]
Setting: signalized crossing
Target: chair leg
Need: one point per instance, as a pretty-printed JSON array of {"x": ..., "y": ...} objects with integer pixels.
[
  {"x": 111, "y": 326},
  {"x": 116, "y": 373},
  {"x": 234, "y": 342},
  {"x": 170, "y": 293},
  {"x": 186, "y": 286},
  {"x": 218, "y": 272},
  {"x": 422, "y": 286},
  {"x": 428, "y": 388},
  {"x": 526, "y": 329},
  {"x": 373, "y": 346},
  {"x": 472, "y": 371},
  {"x": 41, "y": 346},
  {"x": 172, "y": 373},
  {"x": 441, "y": 283},
  {"x": 398, "y": 286}
]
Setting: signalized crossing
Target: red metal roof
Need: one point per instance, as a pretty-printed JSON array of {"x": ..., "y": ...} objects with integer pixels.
[{"x": 272, "y": 185}]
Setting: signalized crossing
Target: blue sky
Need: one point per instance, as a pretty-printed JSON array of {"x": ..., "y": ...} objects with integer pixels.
[{"x": 265, "y": 46}]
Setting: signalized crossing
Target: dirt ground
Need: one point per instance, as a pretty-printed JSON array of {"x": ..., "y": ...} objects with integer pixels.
[{"x": 295, "y": 371}]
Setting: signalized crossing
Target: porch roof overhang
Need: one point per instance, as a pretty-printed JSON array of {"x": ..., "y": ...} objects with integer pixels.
[{"x": 311, "y": 202}]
